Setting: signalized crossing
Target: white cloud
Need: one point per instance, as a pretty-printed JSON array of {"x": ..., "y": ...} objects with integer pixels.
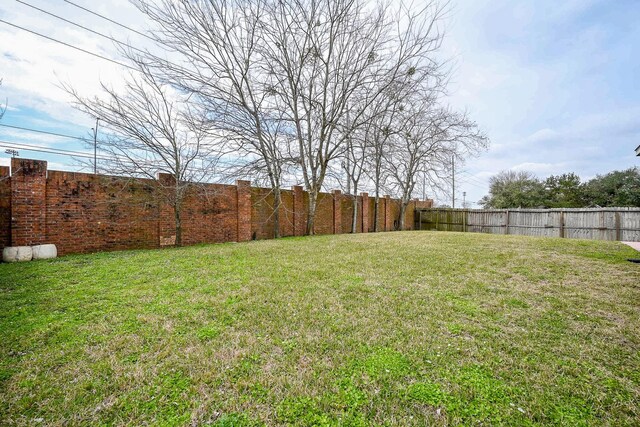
[{"x": 552, "y": 87}]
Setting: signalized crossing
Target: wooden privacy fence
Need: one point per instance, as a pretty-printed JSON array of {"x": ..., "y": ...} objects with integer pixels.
[{"x": 597, "y": 224}]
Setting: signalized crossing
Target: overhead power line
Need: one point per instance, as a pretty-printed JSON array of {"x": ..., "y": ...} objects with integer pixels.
[
  {"x": 473, "y": 178},
  {"x": 472, "y": 184},
  {"x": 110, "y": 20},
  {"x": 41, "y": 149},
  {"x": 81, "y": 26},
  {"x": 69, "y": 45},
  {"x": 72, "y": 153},
  {"x": 119, "y": 42},
  {"x": 44, "y": 132}
]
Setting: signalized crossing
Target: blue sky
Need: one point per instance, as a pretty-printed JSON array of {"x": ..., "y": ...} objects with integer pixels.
[{"x": 553, "y": 84}]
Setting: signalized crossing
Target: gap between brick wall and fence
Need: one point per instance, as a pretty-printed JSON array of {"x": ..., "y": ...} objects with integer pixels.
[{"x": 80, "y": 212}]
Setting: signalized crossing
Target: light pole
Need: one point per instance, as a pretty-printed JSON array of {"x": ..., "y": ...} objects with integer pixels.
[{"x": 95, "y": 147}]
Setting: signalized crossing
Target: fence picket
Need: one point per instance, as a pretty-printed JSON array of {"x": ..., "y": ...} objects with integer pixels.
[{"x": 588, "y": 223}]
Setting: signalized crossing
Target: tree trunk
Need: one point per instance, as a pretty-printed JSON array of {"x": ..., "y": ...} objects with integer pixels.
[
  {"x": 277, "y": 201},
  {"x": 403, "y": 209},
  {"x": 178, "y": 219},
  {"x": 376, "y": 205},
  {"x": 313, "y": 198},
  {"x": 354, "y": 217}
]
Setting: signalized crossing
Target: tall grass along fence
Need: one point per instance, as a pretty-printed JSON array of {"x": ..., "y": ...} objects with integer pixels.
[{"x": 597, "y": 224}]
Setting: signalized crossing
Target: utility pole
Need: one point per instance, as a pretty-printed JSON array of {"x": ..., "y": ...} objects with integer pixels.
[
  {"x": 14, "y": 153},
  {"x": 95, "y": 147},
  {"x": 453, "y": 182},
  {"x": 424, "y": 186},
  {"x": 464, "y": 200}
]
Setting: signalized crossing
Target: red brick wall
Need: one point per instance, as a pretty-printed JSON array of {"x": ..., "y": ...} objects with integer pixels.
[
  {"x": 210, "y": 214},
  {"x": 346, "y": 213},
  {"x": 28, "y": 202},
  {"x": 324, "y": 214},
  {"x": 87, "y": 213},
  {"x": 364, "y": 221},
  {"x": 5, "y": 207},
  {"x": 262, "y": 219}
]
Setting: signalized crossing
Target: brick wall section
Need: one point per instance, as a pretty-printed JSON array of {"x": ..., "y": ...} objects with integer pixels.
[
  {"x": 364, "y": 202},
  {"x": 244, "y": 210},
  {"x": 262, "y": 217},
  {"x": 286, "y": 214},
  {"x": 388, "y": 217},
  {"x": 166, "y": 212},
  {"x": 324, "y": 214},
  {"x": 87, "y": 213},
  {"x": 346, "y": 213},
  {"x": 5, "y": 207},
  {"x": 394, "y": 210},
  {"x": 337, "y": 212},
  {"x": 28, "y": 202},
  {"x": 210, "y": 215}
]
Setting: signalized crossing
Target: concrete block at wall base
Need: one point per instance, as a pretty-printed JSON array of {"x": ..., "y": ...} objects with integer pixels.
[
  {"x": 44, "y": 251},
  {"x": 17, "y": 253}
]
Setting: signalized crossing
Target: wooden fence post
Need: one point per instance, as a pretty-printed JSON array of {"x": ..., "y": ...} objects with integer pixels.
[
  {"x": 617, "y": 219},
  {"x": 506, "y": 222},
  {"x": 561, "y": 224},
  {"x": 464, "y": 221}
]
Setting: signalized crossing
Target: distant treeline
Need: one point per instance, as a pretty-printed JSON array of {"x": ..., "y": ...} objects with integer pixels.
[{"x": 511, "y": 189}]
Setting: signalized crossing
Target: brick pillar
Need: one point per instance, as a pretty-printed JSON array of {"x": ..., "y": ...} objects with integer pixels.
[
  {"x": 365, "y": 212},
  {"x": 298, "y": 210},
  {"x": 5, "y": 207},
  {"x": 337, "y": 212},
  {"x": 244, "y": 210},
  {"x": 28, "y": 202},
  {"x": 388, "y": 221},
  {"x": 166, "y": 215}
]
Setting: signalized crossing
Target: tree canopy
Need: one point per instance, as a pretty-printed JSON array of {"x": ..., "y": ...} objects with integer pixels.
[{"x": 511, "y": 189}]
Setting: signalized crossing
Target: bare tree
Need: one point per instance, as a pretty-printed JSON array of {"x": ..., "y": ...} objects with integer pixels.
[
  {"x": 222, "y": 42},
  {"x": 330, "y": 53},
  {"x": 354, "y": 166},
  {"x": 365, "y": 146},
  {"x": 381, "y": 129},
  {"x": 150, "y": 131},
  {"x": 430, "y": 138}
]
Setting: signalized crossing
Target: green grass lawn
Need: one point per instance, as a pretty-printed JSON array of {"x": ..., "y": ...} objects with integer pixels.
[{"x": 413, "y": 328}]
